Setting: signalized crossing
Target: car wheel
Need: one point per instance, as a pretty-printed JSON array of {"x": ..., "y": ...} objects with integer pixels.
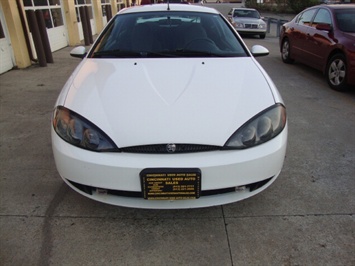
[
  {"x": 286, "y": 51},
  {"x": 262, "y": 36},
  {"x": 336, "y": 72}
]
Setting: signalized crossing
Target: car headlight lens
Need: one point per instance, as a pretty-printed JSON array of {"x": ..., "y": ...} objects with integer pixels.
[
  {"x": 80, "y": 132},
  {"x": 239, "y": 25},
  {"x": 261, "y": 128},
  {"x": 262, "y": 26}
]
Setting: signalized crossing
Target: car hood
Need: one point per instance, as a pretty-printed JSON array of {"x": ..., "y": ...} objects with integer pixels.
[{"x": 154, "y": 101}]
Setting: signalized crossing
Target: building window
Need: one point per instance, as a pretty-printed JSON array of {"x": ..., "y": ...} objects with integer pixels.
[
  {"x": 104, "y": 3},
  {"x": 51, "y": 11},
  {"x": 78, "y": 4},
  {"x": 120, "y": 4}
]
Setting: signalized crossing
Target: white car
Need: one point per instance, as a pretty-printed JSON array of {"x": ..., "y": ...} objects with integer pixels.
[
  {"x": 169, "y": 109},
  {"x": 247, "y": 21}
]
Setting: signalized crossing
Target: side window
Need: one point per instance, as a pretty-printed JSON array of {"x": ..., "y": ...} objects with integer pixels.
[
  {"x": 322, "y": 17},
  {"x": 306, "y": 17}
]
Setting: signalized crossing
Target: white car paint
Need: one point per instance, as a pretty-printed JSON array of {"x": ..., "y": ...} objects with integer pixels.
[
  {"x": 220, "y": 169},
  {"x": 141, "y": 101},
  {"x": 140, "y": 95}
]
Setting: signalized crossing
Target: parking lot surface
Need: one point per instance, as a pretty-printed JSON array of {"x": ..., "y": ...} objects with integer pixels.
[{"x": 305, "y": 218}]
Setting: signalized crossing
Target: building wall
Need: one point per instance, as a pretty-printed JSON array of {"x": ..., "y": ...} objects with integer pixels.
[
  {"x": 14, "y": 28},
  {"x": 13, "y": 9}
]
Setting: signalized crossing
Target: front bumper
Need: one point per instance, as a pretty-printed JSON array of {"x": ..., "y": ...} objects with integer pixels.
[
  {"x": 251, "y": 31},
  {"x": 235, "y": 173}
]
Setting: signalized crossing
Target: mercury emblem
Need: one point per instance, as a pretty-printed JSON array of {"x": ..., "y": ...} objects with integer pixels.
[{"x": 170, "y": 148}]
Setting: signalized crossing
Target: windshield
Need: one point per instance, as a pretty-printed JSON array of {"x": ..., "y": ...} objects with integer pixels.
[
  {"x": 346, "y": 19},
  {"x": 168, "y": 34},
  {"x": 246, "y": 14}
]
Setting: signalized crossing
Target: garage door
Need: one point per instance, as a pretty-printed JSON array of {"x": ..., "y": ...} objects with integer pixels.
[
  {"x": 53, "y": 17},
  {"x": 6, "y": 54},
  {"x": 78, "y": 4}
]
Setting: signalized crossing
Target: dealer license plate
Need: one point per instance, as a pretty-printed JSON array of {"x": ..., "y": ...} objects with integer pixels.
[{"x": 171, "y": 184}]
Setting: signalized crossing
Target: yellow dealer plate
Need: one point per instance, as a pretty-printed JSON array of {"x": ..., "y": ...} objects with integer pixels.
[{"x": 171, "y": 183}]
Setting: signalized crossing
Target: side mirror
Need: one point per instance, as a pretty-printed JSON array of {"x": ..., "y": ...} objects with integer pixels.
[
  {"x": 325, "y": 27},
  {"x": 79, "y": 52},
  {"x": 258, "y": 50}
]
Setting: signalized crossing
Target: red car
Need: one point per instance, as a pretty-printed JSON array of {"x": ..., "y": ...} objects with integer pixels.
[{"x": 323, "y": 37}]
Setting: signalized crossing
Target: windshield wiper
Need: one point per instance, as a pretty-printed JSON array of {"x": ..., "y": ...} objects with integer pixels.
[
  {"x": 160, "y": 54},
  {"x": 194, "y": 53},
  {"x": 132, "y": 54},
  {"x": 117, "y": 54}
]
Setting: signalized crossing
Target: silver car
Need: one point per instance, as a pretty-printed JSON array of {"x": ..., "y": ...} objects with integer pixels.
[{"x": 247, "y": 21}]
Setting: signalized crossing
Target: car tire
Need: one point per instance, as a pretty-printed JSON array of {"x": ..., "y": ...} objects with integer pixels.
[
  {"x": 286, "y": 52},
  {"x": 262, "y": 36},
  {"x": 336, "y": 72}
]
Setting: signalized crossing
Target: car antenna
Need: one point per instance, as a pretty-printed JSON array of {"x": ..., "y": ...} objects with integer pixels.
[{"x": 168, "y": 5}]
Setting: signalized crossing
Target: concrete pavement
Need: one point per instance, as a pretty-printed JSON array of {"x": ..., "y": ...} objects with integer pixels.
[{"x": 305, "y": 218}]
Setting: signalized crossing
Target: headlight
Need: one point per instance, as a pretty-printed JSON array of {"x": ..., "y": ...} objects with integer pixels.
[
  {"x": 261, "y": 128},
  {"x": 262, "y": 26},
  {"x": 80, "y": 132},
  {"x": 239, "y": 25}
]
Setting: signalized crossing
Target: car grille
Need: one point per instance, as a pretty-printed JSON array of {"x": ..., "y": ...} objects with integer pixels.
[
  {"x": 251, "y": 26},
  {"x": 139, "y": 194},
  {"x": 170, "y": 148}
]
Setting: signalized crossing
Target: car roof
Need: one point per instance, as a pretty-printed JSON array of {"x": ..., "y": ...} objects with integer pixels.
[
  {"x": 164, "y": 7},
  {"x": 338, "y": 6}
]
